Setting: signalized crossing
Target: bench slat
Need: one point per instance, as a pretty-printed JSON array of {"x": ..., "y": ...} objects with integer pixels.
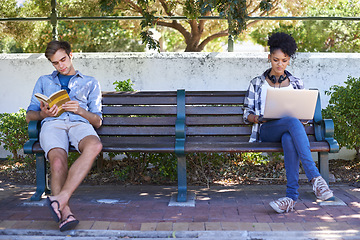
[
  {"x": 139, "y": 121},
  {"x": 214, "y": 120},
  {"x": 235, "y": 139},
  {"x": 246, "y": 147},
  {"x": 106, "y": 94},
  {"x": 215, "y": 93},
  {"x": 137, "y": 139},
  {"x": 220, "y": 110},
  {"x": 130, "y": 100},
  {"x": 206, "y": 131},
  {"x": 225, "y": 130},
  {"x": 139, "y": 110},
  {"x": 226, "y": 100},
  {"x": 125, "y": 147},
  {"x": 136, "y": 131}
]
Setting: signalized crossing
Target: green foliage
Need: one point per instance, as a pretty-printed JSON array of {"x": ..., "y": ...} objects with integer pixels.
[
  {"x": 72, "y": 156},
  {"x": 234, "y": 11},
  {"x": 149, "y": 41},
  {"x": 344, "y": 110},
  {"x": 125, "y": 85},
  {"x": 202, "y": 168},
  {"x": 104, "y": 36},
  {"x": 87, "y": 36},
  {"x": 137, "y": 167},
  {"x": 13, "y": 131},
  {"x": 320, "y": 36}
]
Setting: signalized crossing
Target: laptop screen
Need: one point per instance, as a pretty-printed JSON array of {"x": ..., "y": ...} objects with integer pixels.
[{"x": 299, "y": 103}]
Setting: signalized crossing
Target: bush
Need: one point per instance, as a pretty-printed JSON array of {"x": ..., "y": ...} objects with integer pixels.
[
  {"x": 13, "y": 132},
  {"x": 125, "y": 85},
  {"x": 344, "y": 110}
]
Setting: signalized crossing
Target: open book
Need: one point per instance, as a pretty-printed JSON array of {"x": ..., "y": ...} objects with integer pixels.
[{"x": 57, "y": 98}]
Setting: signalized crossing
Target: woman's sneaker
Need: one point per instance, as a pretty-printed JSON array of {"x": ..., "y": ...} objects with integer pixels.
[
  {"x": 284, "y": 204},
  {"x": 321, "y": 189}
]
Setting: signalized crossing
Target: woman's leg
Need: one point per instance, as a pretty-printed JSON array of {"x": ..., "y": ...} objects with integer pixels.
[
  {"x": 291, "y": 133},
  {"x": 292, "y": 163},
  {"x": 273, "y": 131}
]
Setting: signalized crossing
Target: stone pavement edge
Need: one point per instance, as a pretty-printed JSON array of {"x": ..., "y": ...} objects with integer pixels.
[{"x": 233, "y": 212}]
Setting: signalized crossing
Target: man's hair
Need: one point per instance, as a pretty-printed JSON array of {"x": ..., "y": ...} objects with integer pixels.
[
  {"x": 282, "y": 41},
  {"x": 54, "y": 46}
]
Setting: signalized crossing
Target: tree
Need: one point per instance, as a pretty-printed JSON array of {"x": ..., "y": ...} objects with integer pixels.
[
  {"x": 91, "y": 36},
  {"x": 320, "y": 36},
  {"x": 196, "y": 32}
]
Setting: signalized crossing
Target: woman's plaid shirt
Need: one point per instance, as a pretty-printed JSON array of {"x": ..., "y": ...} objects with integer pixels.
[{"x": 252, "y": 103}]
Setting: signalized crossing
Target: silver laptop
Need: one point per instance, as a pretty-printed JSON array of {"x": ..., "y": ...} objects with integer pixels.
[{"x": 299, "y": 103}]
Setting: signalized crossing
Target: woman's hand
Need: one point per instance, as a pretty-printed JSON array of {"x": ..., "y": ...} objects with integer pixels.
[{"x": 253, "y": 118}]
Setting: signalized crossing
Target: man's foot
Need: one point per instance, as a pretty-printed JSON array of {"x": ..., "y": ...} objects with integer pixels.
[
  {"x": 321, "y": 189},
  {"x": 55, "y": 212},
  {"x": 284, "y": 204},
  {"x": 69, "y": 223}
]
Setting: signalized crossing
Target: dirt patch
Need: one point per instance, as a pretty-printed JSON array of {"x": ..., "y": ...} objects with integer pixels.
[{"x": 344, "y": 171}]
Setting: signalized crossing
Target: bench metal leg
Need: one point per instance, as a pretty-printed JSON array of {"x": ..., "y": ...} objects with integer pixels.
[
  {"x": 182, "y": 185},
  {"x": 41, "y": 181},
  {"x": 324, "y": 165}
]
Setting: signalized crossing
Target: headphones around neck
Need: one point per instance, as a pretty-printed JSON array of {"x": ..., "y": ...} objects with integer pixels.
[{"x": 273, "y": 77}]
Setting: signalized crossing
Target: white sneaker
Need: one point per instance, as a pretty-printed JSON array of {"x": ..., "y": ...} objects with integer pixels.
[
  {"x": 284, "y": 204},
  {"x": 321, "y": 189}
]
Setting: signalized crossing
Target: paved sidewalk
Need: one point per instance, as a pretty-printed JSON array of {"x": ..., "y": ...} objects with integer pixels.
[{"x": 236, "y": 212}]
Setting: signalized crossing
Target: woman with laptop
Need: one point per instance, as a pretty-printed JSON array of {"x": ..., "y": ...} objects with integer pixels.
[{"x": 287, "y": 130}]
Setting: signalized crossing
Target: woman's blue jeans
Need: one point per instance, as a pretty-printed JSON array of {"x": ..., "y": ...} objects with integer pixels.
[{"x": 291, "y": 133}]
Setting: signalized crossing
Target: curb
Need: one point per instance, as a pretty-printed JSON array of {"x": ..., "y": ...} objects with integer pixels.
[{"x": 241, "y": 235}]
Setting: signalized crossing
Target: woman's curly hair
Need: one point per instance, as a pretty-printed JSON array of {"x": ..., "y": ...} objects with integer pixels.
[{"x": 284, "y": 42}]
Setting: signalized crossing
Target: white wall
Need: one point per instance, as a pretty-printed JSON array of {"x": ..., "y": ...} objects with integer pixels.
[{"x": 171, "y": 71}]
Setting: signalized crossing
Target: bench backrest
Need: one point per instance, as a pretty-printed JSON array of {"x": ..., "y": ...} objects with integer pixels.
[
  {"x": 219, "y": 115},
  {"x": 151, "y": 119},
  {"x": 134, "y": 118}
]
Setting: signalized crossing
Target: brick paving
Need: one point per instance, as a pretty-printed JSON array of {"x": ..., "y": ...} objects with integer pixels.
[{"x": 145, "y": 208}]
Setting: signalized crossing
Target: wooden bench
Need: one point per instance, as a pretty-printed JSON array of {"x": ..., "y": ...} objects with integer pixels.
[{"x": 182, "y": 122}]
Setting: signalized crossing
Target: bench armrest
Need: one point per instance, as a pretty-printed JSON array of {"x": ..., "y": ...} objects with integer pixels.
[
  {"x": 324, "y": 131},
  {"x": 324, "y": 128},
  {"x": 33, "y": 131}
]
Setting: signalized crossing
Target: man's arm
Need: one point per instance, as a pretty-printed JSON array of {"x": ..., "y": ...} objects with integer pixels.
[
  {"x": 73, "y": 106},
  {"x": 43, "y": 113}
]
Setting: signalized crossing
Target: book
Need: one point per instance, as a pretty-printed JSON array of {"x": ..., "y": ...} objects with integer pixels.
[{"x": 57, "y": 98}]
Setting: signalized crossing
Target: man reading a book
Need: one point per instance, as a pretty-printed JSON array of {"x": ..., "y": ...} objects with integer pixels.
[{"x": 75, "y": 126}]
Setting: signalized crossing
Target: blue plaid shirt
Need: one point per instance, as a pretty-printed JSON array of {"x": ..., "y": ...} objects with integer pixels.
[
  {"x": 84, "y": 89},
  {"x": 252, "y": 102}
]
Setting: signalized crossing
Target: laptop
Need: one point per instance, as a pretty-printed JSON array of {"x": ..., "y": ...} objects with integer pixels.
[{"x": 298, "y": 103}]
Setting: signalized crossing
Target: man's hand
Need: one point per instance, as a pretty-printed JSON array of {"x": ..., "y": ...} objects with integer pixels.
[
  {"x": 48, "y": 112},
  {"x": 72, "y": 106}
]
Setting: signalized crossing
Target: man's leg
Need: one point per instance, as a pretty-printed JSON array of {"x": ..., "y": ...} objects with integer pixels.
[
  {"x": 59, "y": 169},
  {"x": 90, "y": 147}
]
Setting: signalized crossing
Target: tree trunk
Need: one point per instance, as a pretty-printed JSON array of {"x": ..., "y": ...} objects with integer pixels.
[
  {"x": 192, "y": 45},
  {"x": 357, "y": 156},
  {"x": 15, "y": 155}
]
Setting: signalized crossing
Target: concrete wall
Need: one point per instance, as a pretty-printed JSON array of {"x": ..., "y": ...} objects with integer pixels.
[{"x": 171, "y": 71}]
